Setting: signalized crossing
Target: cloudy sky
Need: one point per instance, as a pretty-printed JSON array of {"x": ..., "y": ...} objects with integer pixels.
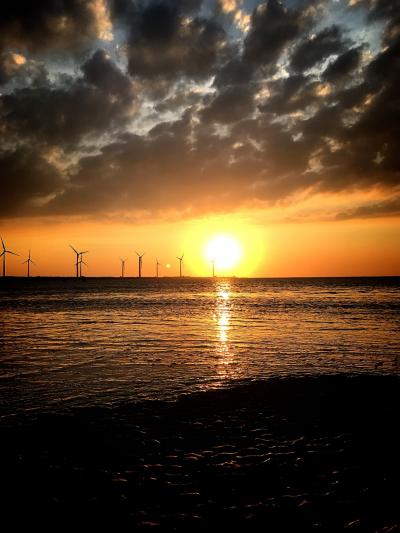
[{"x": 142, "y": 117}]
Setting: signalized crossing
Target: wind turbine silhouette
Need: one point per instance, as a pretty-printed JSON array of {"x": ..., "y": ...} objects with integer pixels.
[
  {"x": 3, "y": 254},
  {"x": 123, "y": 261},
  {"x": 140, "y": 263},
  {"x": 78, "y": 263},
  {"x": 213, "y": 267},
  {"x": 29, "y": 261},
  {"x": 157, "y": 265},
  {"x": 180, "y": 264}
]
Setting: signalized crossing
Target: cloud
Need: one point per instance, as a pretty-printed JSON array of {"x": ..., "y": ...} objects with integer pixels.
[
  {"x": 164, "y": 42},
  {"x": 183, "y": 111},
  {"x": 389, "y": 207},
  {"x": 53, "y": 24},
  {"x": 272, "y": 27},
  {"x": 30, "y": 180},
  {"x": 313, "y": 50},
  {"x": 10, "y": 64},
  {"x": 344, "y": 65},
  {"x": 229, "y": 105},
  {"x": 91, "y": 105}
]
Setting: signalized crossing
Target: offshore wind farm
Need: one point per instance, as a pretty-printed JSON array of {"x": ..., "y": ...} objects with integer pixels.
[{"x": 224, "y": 254}]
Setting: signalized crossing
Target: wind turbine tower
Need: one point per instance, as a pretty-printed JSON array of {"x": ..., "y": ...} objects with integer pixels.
[
  {"x": 29, "y": 261},
  {"x": 81, "y": 262},
  {"x": 157, "y": 265},
  {"x": 213, "y": 267},
  {"x": 3, "y": 254},
  {"x": 77, "y": 260},
  {"x": 140, "y": 262},
  {"x": 180, "y": 264},
  {"x": 123, "y": 261}
]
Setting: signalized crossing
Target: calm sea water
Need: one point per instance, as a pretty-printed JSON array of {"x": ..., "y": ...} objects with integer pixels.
[{"x": 99, "y": 341}]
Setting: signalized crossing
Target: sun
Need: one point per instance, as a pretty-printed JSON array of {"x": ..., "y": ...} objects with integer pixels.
[{"x": 224, "y": 250}]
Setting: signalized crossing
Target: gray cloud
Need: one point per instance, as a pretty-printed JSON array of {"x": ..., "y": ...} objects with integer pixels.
[
  {"x": 313, "y": 50},
  {"x": 164, "y": 42},
  {"x": 390, "y": 207},
  {"x": 92, "y": 105},
  {"x": 272, "y": 27},
  {"x": 344, "y": 65},
  {"x": 26, "y": 179},
  {"x": 52, "y": 24}
]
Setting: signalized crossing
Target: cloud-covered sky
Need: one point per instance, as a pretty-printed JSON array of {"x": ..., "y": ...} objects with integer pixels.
[{"x": 191, "y": 107}]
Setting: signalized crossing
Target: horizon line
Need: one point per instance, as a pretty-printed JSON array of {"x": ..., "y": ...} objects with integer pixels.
[{"x": 204, "y": 277}]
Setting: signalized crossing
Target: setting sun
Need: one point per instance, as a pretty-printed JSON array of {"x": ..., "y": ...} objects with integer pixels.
[{"x": 224, "y": 250}]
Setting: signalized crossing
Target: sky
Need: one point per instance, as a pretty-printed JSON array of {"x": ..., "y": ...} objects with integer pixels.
[{"x": 160, "y": 126}]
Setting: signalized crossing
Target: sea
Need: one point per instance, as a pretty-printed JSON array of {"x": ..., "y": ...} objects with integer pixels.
[{"x": 68, "y": 343}]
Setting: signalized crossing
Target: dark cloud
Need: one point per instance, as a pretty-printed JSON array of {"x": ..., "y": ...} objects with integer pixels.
[
  {"x": 272, "y": 27},
  {"x": 26, "y": 179},
  {"x": 291, "y": 94},
  {"x": 234, "y": 72},
  {"x": 92, "y": 105},
  {"x": 344, "y": 65},
  {"x": 390, "y": 207},
  {"x": 313, "y": 50},
  {"x": 10, "y": 64},
  {"x": 102, "y": 73},
  {"x": 164, "y": 42},
  {"x": 47, "y": 24},
  {"x": 230, "y": 105}
]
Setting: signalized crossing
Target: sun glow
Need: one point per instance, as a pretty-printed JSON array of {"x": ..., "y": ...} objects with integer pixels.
[{"x": 224, "y": 250}]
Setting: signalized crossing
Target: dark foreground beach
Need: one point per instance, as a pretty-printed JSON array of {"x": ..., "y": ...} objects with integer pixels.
[{"x": 290, "y": 454}]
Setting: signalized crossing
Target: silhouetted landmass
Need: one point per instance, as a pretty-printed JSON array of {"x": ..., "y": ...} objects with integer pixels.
[{"x": 289, "y": 454}]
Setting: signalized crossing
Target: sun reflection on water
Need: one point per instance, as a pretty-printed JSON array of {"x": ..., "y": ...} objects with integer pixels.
[{"x": 222, "y": 319}]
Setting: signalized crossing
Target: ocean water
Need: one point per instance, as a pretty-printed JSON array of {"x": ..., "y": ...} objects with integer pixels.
[{"x": 67, "y": 343}]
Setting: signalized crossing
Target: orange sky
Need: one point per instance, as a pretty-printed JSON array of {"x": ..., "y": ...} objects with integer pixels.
[{"x": 340, "y": 248}]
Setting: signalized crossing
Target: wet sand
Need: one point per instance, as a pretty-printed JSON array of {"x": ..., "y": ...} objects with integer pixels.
[{"x": 290, "y": 454}]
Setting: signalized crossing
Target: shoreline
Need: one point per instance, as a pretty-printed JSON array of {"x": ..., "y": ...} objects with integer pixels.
[{"x": 285, "y": 454}]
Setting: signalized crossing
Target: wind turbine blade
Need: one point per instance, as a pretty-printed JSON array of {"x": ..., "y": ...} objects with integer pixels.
[
  {"x": 33, "y": 263},
  {"x": 10, "y": 252},
  {"x": 2, "y": 253},
  {"x": 73, "y": 248},
  {"x": 2, "y": 242},
  {"x": 84, "y": 252},
  {"x": 23, "y": 262}
]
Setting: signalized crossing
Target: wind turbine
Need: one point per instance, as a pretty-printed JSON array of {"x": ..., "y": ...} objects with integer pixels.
[
  {"x": 3, "y": 254},
  {"x": 180, "y": 264},
  {"x": 140, "y": 263},
  {"x": 213, "y": 267},
  {"x": 157, "y": 265},
  {"x": 29, "y": 261},
  {"x": 123, "y": 261},
  {"x": 78, "y": 264}
]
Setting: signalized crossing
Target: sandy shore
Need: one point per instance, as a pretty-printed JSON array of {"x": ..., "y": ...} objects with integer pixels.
[{"x": 293, "y": 454}]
